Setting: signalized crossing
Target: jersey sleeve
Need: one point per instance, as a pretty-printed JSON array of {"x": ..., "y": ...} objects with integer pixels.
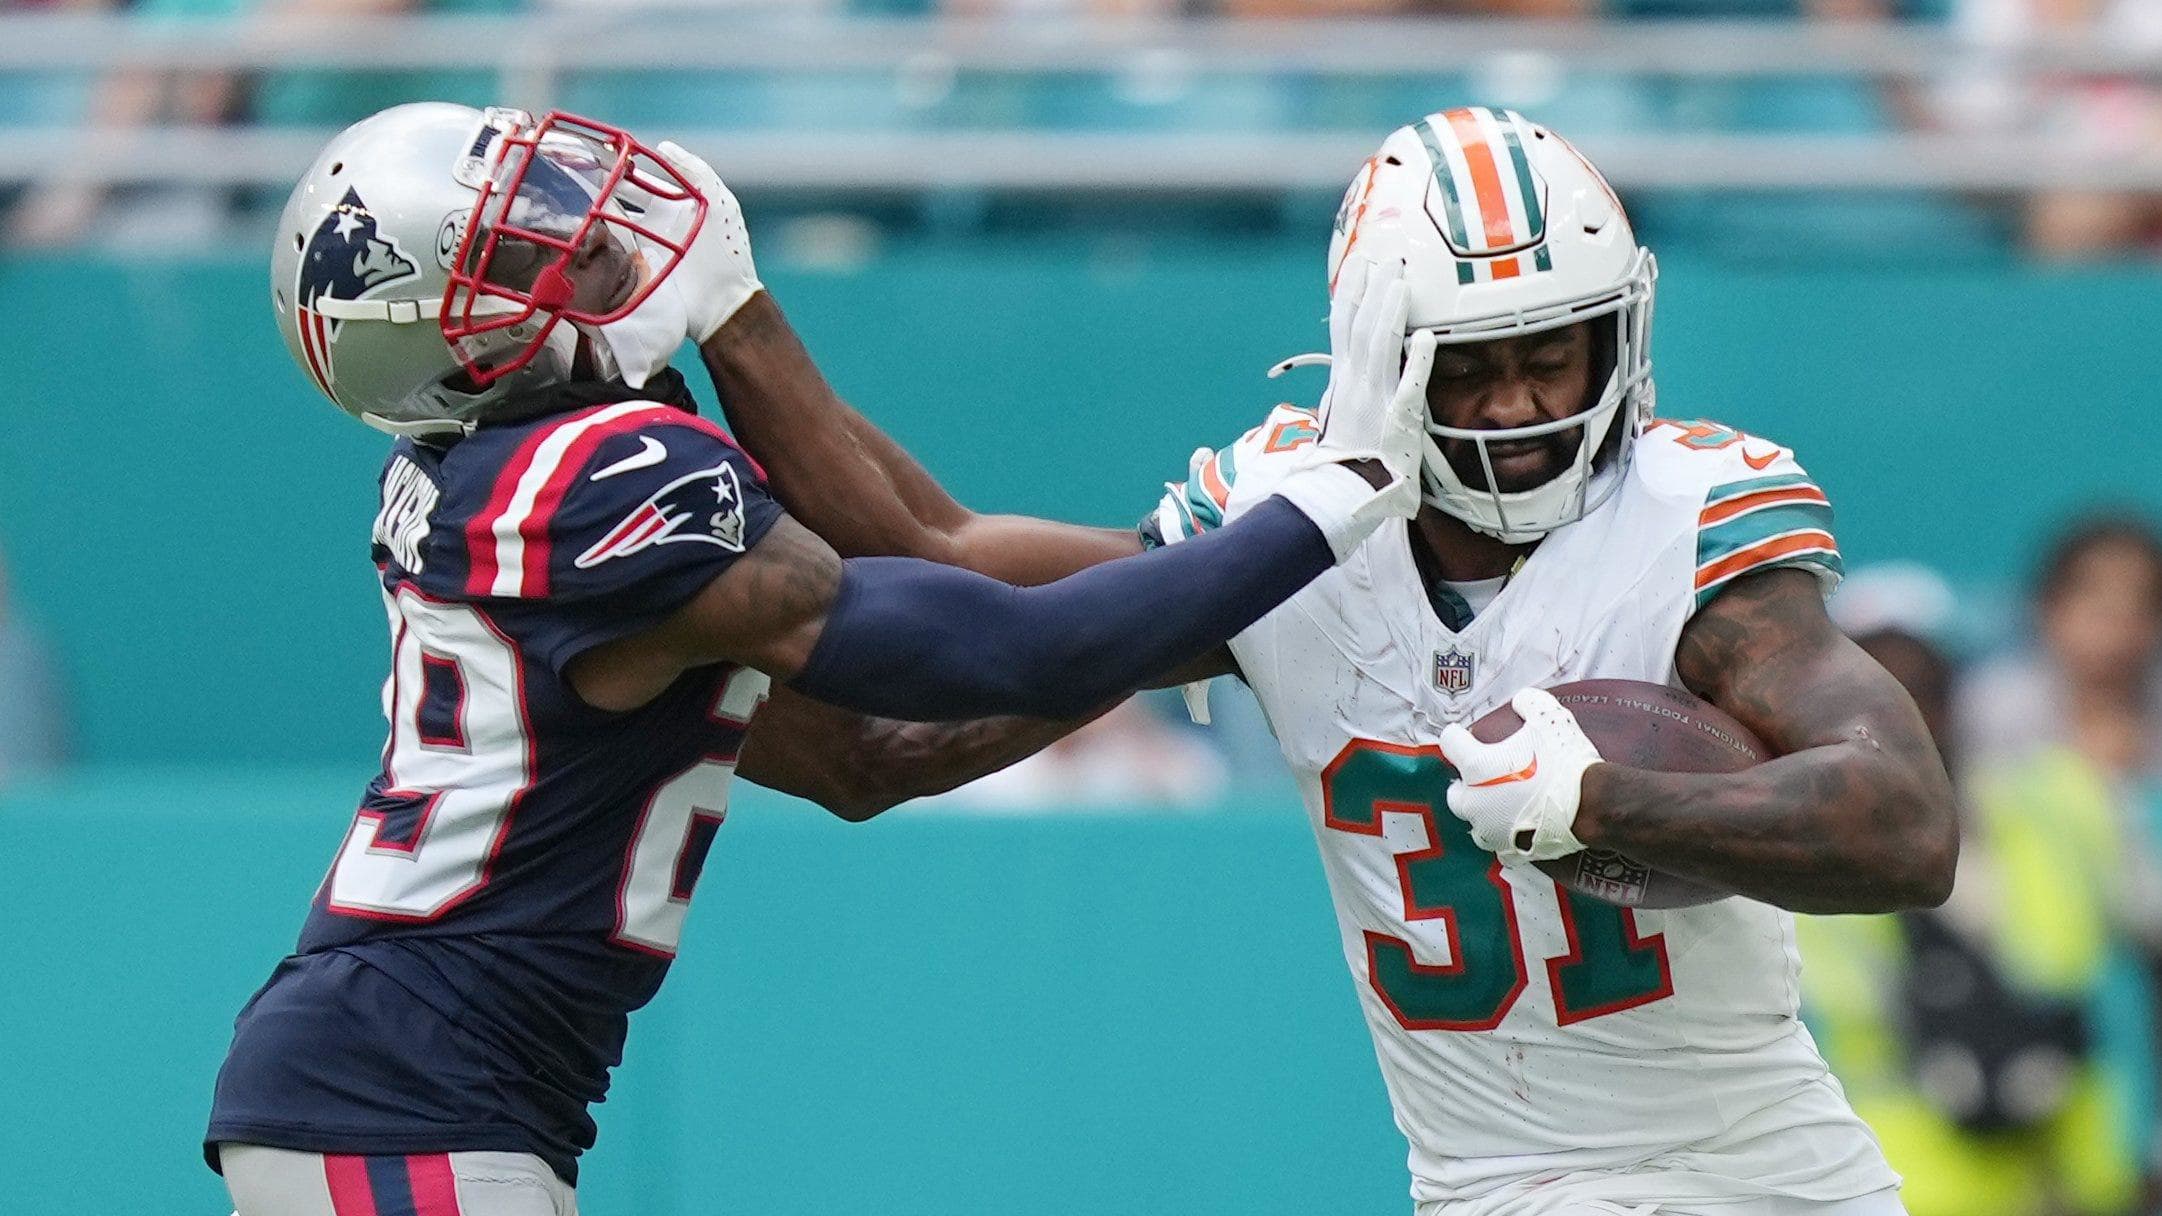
[
  {"x": 1756, "y": 507},
  {"x": 603, "y": 526},
  {"x": 1212, "y": 493}
]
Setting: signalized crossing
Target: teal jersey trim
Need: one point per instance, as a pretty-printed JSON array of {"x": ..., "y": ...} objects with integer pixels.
[{"x": 1733, "y": 535}]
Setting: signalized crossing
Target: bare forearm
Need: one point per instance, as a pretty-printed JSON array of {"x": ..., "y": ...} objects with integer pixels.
[
  {"x": 1839, "y": 828},
  {"x": 853, "y": 485},
  {"x": 1855, "y": 815},
  {"x": 918, "y": 759},
  {"x": 857, "y": 766},
  {"x": 825, "y": 461}
]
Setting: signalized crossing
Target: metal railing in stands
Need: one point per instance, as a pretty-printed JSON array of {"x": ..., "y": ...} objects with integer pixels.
[{"x": 534, "y": 52}]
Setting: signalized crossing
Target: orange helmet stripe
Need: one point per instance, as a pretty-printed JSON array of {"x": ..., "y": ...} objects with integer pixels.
[{"x": 1485, "y": 178}]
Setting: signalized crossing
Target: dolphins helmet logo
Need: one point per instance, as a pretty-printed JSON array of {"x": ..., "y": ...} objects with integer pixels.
[{"x": 345, "y": 258}]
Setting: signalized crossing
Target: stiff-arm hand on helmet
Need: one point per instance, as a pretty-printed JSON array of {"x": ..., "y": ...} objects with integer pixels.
[
  {"x": 715, "y": 278},
  {"x": 1373, "y": 409},
  {"x": 1520, "y": 795}
]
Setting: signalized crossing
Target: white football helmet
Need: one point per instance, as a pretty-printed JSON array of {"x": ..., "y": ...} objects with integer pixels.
[
  {"x": 425, "y": 266},
  {"x": 1505, "y": 229}
]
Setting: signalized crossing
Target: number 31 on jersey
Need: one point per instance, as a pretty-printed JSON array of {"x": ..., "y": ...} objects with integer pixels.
[{"x": 1608, "y": 967}]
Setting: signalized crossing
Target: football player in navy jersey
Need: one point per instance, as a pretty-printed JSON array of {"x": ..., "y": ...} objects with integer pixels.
[{"x": 591, "y": 595}]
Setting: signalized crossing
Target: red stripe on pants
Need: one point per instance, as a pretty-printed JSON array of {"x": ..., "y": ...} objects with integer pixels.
[
  {"x": 350, "y": 1194},
  {"x": 435, "y": 1187}
]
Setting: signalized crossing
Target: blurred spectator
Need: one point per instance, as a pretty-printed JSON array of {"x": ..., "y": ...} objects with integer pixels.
[
  {"x": 33, "y": 717},
  {"x": 333, "y": 99},
  {"x": 1129, "y": 757},
  {"x": 2066, "y": 739},
  {"x": 1046, "y": 8},
  {"x": 61, "y": 212},
  {"x": 1431, "y": 8},
  {"x": 2111, "y": 115},
  {"x": 1968, "y": 1037},
  {"x": 2092, "y": 683}
]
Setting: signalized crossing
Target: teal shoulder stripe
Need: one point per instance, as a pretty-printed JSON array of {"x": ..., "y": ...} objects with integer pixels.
[
  {"x": 1187, "y": 525},
  {"x": 1447, "y": 179},
  {"x": 1735, "y": 489},
  {"x": 1201, "y": 508},
  {"x": 1822, "y": 560},
  {"x": 1226, "y": 469},
  {"x": 1730, "y": 535},
  {"x": 1535, "y": 219}
]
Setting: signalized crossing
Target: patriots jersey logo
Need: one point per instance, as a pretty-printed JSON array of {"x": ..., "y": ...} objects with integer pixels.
[
  {"x": 706, "y": 506},
  {"x": 345, "y": 258}
]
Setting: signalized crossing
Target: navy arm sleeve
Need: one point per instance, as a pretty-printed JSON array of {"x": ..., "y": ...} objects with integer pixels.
[{"x": 915, "y": 640}]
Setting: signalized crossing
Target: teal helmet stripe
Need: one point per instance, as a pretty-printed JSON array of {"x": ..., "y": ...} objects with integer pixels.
[
  {"x": 1534, "y": 218},
  {"x": 1442, "y": 174}
]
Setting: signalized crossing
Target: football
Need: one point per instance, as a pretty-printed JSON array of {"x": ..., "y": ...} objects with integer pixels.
[{"x": 1648, "y": 726}]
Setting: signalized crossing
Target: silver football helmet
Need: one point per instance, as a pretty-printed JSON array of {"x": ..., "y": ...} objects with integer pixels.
[{"x": 436, "y": 260}]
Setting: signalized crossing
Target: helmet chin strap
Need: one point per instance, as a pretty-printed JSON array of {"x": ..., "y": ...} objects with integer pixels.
[{"x": 431, "y": 428}]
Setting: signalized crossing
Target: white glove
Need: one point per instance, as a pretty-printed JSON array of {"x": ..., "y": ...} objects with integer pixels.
[
  {"x": 1374, "y": 406},
  {"x": 715, "y": 278},
  {"x": 1520, "y": 795},
  {"x": 1374, "y": 409}
]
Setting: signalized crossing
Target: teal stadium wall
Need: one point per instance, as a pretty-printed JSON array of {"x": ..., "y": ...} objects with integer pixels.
[
  {"x": 190, "y": 522},
  {"x": 922, "y": 1016},
  {"x": 927, "y": 1014}
]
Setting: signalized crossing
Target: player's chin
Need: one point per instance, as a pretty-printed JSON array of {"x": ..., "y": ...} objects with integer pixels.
[{"x": 1515, "y": 471}]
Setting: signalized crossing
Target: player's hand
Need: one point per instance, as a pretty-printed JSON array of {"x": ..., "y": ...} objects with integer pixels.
[
  {"x": 1375, "y": 405},
  {"x": 1373, "y": 413},
  {"x": 714, "y": 278},
  {"x": 717, "y": 276},
  {"x": 1520, "y": 795}
]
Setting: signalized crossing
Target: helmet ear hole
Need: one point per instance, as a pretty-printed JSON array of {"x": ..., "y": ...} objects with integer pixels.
[
  {"x": 299, "y": 242},
  {"x": 277, "y": 300},
  {"x": 337, "y": 167}
]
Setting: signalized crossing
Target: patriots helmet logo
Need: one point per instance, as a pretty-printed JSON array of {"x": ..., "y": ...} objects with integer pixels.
[
  {"x": 706, "y": 506},
  {"x": 345, "y": 258}
]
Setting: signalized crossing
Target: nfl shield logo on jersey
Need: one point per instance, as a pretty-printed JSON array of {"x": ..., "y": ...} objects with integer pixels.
[{"x": 1452, "y": 671}]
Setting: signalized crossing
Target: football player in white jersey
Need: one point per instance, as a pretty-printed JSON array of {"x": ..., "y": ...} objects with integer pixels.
[{"x": 1546, "y": 1053}]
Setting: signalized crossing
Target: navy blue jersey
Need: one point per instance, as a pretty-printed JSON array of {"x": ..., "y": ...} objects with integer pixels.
[{"x": 515, "y": 880}]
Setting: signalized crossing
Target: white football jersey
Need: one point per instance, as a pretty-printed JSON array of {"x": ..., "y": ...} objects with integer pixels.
[{"x": 1526, "y": 1032}]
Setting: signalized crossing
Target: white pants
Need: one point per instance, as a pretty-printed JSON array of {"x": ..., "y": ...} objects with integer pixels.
[{"x": 281, "y": 1182}]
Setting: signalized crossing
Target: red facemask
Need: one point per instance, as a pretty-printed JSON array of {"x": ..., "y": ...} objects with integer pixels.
[{"x": 575, "y": 221}]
